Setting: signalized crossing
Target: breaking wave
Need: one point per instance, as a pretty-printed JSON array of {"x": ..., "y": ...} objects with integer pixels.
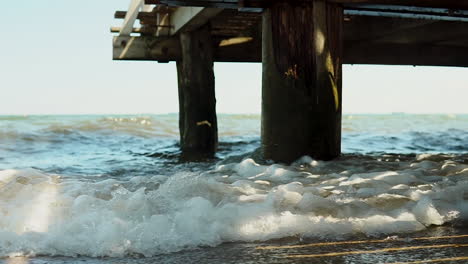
[{"x": 46, "y": 214}]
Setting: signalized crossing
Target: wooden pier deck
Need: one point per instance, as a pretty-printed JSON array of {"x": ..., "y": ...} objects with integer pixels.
[
  {"x": 393, "y": 32},
  {"x": 302, "y": 45}
]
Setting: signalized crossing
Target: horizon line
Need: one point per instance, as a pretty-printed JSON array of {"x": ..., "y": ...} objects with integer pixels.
[{"x": 230, "y": 113}]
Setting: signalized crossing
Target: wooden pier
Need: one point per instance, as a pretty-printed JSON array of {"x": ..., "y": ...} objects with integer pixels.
[{"x": 302, "y": 45}]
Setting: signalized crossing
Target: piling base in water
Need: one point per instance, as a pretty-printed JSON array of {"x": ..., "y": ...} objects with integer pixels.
[{"x": 197, "y": 102}]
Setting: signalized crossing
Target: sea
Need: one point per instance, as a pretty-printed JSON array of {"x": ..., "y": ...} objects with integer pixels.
[{"x": 113, "y": 189}]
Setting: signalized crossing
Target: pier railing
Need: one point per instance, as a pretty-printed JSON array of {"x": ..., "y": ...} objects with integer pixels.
[{"x": 154, "y": 19}]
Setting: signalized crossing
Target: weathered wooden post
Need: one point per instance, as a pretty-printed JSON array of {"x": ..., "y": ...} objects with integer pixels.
[
  {"x": 301, "y": 98},
  {"x": 197, "y": 102}
]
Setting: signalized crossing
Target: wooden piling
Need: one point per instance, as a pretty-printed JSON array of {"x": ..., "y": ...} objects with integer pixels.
[
  {"x": 197, "y": 102},
  {"x": 301, "y": 97}
]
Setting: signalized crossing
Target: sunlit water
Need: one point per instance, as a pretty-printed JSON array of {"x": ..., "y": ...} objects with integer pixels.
[{"x": 113, "y": 186}]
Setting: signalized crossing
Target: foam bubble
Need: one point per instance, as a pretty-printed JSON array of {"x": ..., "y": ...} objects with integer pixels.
[{"x": 44, "y": 214}]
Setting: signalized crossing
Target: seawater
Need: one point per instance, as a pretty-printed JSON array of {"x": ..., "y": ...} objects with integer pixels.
[{"x": 114, "y": 185}]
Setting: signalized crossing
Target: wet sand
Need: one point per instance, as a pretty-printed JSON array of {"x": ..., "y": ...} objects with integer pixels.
[{"x": 445, "y": 244}]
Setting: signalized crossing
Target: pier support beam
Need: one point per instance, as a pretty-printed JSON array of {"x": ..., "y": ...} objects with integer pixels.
[
  {"x": 301, "y": 97},
  {"x": 197, "y": 102}
]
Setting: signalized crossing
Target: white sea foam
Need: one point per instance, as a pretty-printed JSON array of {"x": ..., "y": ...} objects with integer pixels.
[{"x": 44, "y": 214}]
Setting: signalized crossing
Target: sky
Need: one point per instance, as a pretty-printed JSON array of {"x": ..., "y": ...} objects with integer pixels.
[{"x": 56, "y": 58}]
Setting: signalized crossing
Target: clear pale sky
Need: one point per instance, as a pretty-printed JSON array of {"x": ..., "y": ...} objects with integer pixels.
[{"x": 56, "y": 58}]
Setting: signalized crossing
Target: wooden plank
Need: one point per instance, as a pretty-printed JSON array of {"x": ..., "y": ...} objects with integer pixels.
[
  {"x": 202, "y": 3},
  {"x": 428, "y": 34},
  {"x": 243, "y": 52},
  {"x": 365, "y": 29},
  {"x": 130, "y": 17},
  {"x": 146, "y": 48},
  {"x": 141, "y": 15},
  {"x": 407, "y": 12},
  {"x": 168, "y": 49},
  {"x": 142, "y": 30},
  {"x": 244, "y": 5},
  {"x": 191, "y": 18},
  {"x": 451, "y": 4},
  {"x": 406, "y": 54}
]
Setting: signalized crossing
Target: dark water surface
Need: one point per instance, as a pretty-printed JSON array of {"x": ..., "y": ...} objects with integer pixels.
[{"x": 112, "y": 189}]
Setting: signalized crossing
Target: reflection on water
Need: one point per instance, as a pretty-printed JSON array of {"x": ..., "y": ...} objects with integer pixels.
[{"x": 17, "y": 260}]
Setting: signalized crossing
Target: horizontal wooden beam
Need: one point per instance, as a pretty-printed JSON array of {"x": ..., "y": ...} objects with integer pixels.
[
  {"x": 168, "y": 49},
  {"x": 406, "y": 54},
  {"x": 450, "y": 4},
  {"x": 141, "y": 15},
  {"x": 146, "y": 48},
  {"x": 190, "y": 18},
  {"x": 242, "y": 52},
  {"x": 117, "y": 30},
  {"x": 432, "y": 34},
  {"x": 243, "y": 5},
  {"x": 139, "y": 30},
  {"x": 365, "y": 29},
  {"x": 122, "y": 14},
  {"x": 232, "y": 4},
  {"x": 405, "y": 31}
]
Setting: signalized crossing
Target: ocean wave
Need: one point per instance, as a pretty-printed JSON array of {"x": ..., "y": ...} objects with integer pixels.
[
  {"x": 45, "y": 214},
  {"x": 150, "y": 126},
  {"x": 141, "y": 126}
]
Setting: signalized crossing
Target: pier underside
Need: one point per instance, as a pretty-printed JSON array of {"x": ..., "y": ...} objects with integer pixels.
[
  {"x": 302, "y": 45},
  {"x": 237, "y": 35}
]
